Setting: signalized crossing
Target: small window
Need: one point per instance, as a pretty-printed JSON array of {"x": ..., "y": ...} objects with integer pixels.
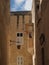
[
  {"x": 42, "y": 38},
  {"x": 37, "y": 5},
  {"x": 30, "y": 35},
  {"x": 17, "y": 34},
  {"x": 20, "y": 60},
  {"x": 18, "y": 46},
  {"x": 21, "y": 34},
  {"x": 19, "y": 38}
]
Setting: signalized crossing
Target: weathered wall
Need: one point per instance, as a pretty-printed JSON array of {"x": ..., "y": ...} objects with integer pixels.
[
  {"x": 14, "y": 51},
  {"x": 46, "y": 31},
  {"x": 43, "y": 27},
  {"x": 8, "y": 28},
  {"x": 4, "y": 30}
]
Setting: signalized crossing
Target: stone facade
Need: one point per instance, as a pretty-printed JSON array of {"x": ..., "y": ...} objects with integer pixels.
[
  {"x": 8, "y": 29},
  {"x": 23, "y": 51},
  {"x": 42, "y": 35},
  {"x": 4, "y": 30}
]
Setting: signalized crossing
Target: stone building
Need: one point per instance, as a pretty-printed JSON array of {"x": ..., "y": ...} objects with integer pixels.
[
  {"x": 13, "y": 32},
  {"x": 16, "y": 36},
  {"x": 21, "y": 39}
]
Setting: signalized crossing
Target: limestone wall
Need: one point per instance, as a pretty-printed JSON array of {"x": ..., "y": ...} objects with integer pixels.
[{"x": 42, "y": 37}]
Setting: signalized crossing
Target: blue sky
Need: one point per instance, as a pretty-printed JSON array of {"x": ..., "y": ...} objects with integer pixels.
[{"x": 20, "y": 5}]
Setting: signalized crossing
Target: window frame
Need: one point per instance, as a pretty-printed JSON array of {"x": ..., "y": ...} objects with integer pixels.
[
  {"x": 20, "y": 39},
  {"x": 20, "y": 59}
]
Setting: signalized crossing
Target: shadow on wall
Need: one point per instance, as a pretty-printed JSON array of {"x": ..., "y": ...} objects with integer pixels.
[{"x": 3, "y": 31}]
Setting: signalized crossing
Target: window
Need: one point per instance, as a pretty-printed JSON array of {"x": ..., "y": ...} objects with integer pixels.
[
  {"x": 19, "y": 38},
  {"x": 38, "y": 6},
  {"x": 42, "y": 38},
  {"x": 30, "y": 35},
  {"x": 18, "y": 46},
  {"x": 20, "y": 60},
  {"x": 20, "y": 5},
  {"x": 19, "y": 34}
]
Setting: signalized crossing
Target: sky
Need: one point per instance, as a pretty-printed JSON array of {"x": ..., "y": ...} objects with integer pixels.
[{"x": 20, "y": 5}]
